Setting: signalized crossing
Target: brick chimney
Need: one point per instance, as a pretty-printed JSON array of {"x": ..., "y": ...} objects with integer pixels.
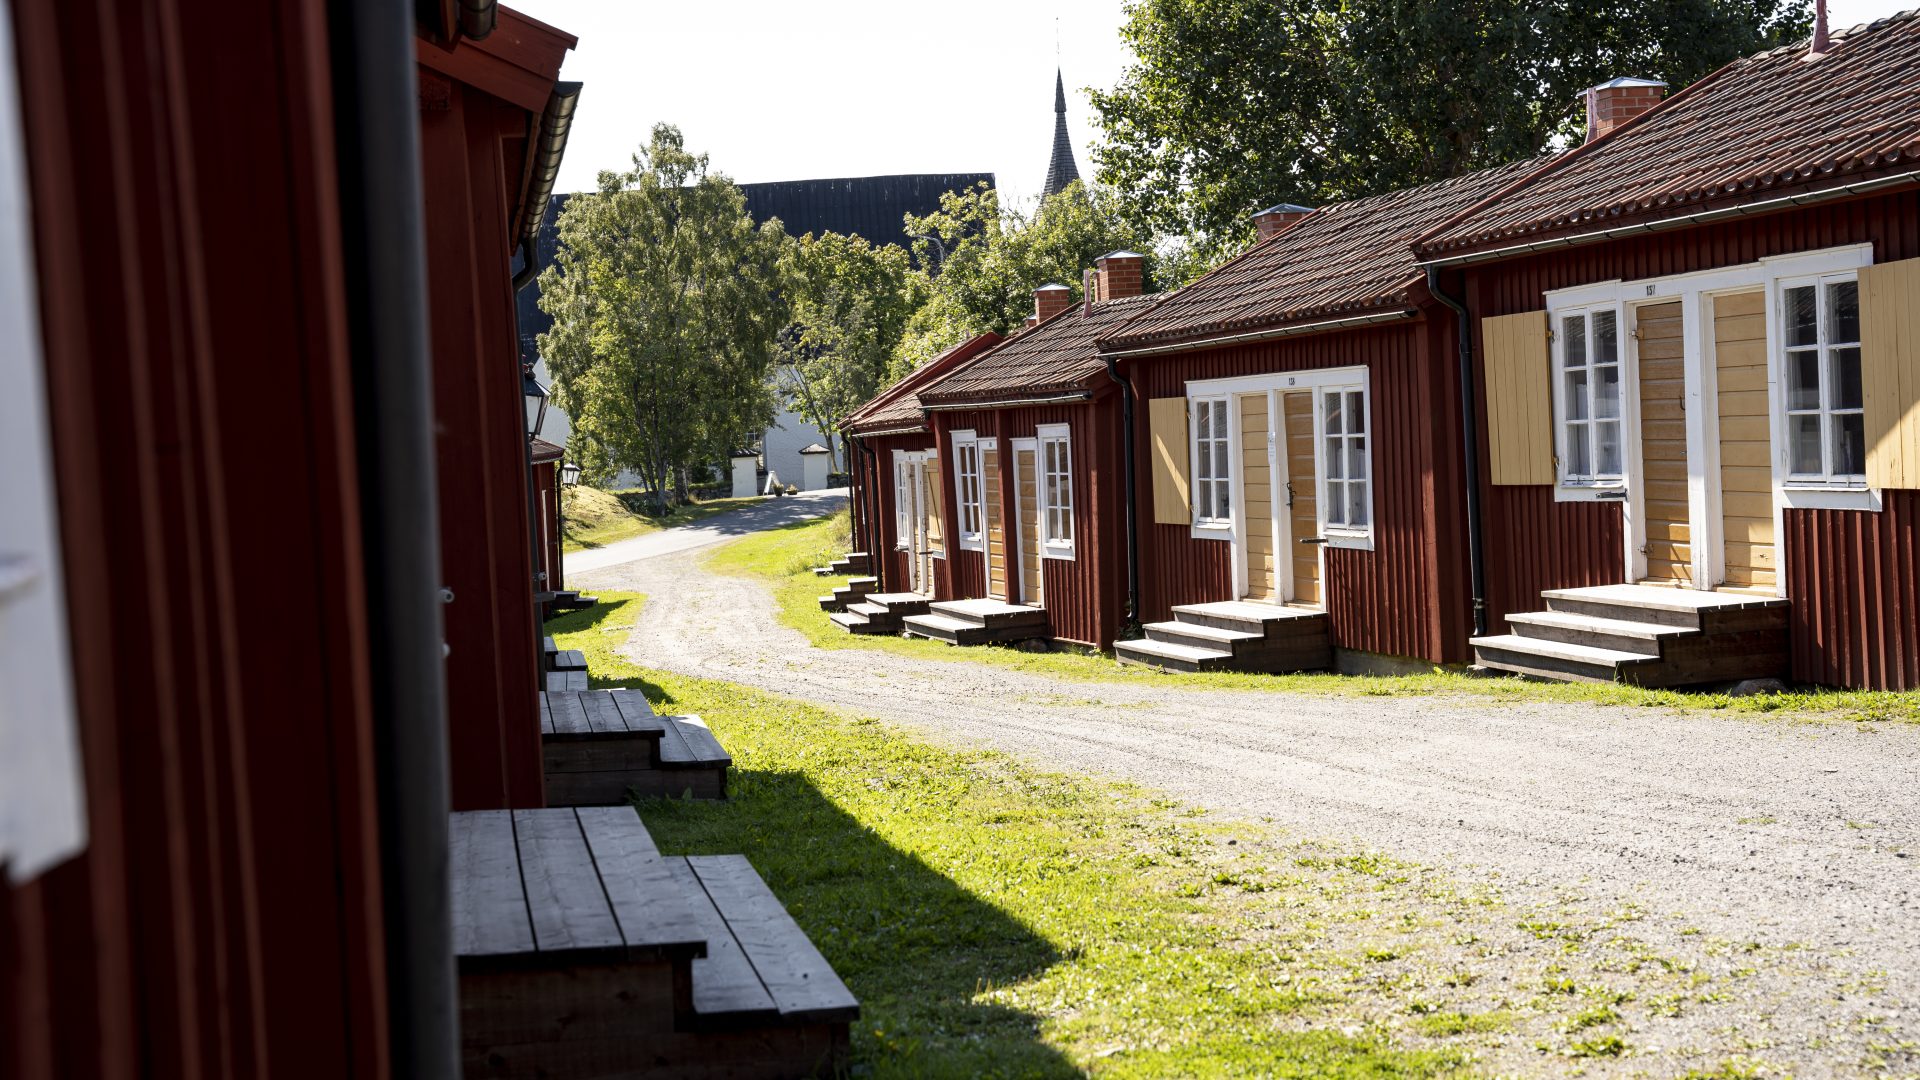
[
  {"x": 1048, "y": 301},
  {"x": 1274, "y": 220},
  {"x": 1617, "y": 101},
  {"x": 1121, "y": 274}
]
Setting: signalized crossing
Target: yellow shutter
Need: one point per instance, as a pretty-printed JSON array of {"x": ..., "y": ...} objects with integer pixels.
[
  {"x": 936, "y": 506},
  {"x": 1519, "y": 402},
  {"x": 1167, "y": 417},
  {"x": 1890, "y": 372}
]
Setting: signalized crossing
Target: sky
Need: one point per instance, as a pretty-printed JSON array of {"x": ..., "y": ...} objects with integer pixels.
[{"x": 795, "y": 91}]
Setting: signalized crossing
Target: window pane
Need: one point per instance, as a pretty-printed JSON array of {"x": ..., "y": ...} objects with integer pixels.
[
  {"x": 1335, "y": 423},
  {"x": 1357, "y": 458},
  {"x": 1357, "y": 505},
  {"x": 1063, "y": 531},
  {"x": 1220, "y": 497},
  {"x": 1220, "y": 429},
  {"x": 1577, "y": 395},
  {"x": 1801, "y": 329},
  {"x": 1203, "y": 424},
  {"x": 1846, "y": 378},
  {"x": 1356, "y": 413},
  {"x": 1335, "y": 464},
  {"x": 1803, "y": 380},
  {"x": 1220, "y": 459},
  {"x": 1606, "y": 391},
  {"x": 1336, "y": 502},
  {"x": 1607, "y": 435},
  {"x": 1574, "y": 333},
  {"x": 1606, "y": 338},
  {"x": 1579, "y": 458},
  {"x": 1849, "y": 445},
  {"x": 1843, "y": 312},
  {"x": 1803, "y": 438}
]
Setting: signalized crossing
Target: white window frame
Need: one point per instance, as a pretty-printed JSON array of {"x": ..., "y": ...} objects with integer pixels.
[
  {"x": 902, "y": 499},
  {"x": 966, "y": 450},
  {"x": 1343, "y": 535},
  {"x": 1052, "y": 546},
  {"x": 1783, "y": 353},
  {"x": 1206, "y": 523},
  {"x": 1563, "y": 424}
]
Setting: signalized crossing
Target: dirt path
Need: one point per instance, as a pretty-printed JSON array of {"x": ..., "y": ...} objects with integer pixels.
[{"x": 1791, "y": 834}]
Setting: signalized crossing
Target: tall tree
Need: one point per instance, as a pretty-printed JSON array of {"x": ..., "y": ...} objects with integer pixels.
[
  {"x": 666, "y": 307},
  {"x": 988, "y": 258},
  {"x": 850, "y": 305},
  {"x": 1231, "y": 105}
]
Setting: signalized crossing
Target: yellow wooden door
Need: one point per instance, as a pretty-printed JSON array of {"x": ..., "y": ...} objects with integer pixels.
[
  {"x": 1303, "y": 495},
  {"x": 1668, "y": 536},
  {"x": 1746, "y": 473},
  {"x": 1256, "y": 498},
  {"x": 996, "y": 533},
  {"x": 1028, "y": 497}
]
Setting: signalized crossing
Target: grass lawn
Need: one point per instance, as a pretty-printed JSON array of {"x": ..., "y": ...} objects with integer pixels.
[
  {"x": 592, "y": 518},
  {"x": 785, "y": 557},
  {"x": 998, "y": 920}
]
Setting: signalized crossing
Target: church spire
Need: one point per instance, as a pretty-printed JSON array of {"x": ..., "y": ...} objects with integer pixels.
[{"x": 1061, "y": 171}]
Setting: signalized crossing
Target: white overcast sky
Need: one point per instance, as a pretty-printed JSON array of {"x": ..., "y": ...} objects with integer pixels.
[{"x": 795, "y": 91}]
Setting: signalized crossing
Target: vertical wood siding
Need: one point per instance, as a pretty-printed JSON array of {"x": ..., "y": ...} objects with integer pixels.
[
  {"x": 1402, "y": 598},
  {"x": 1851, "y": 574},
  {"x": 883, "y": 538}
]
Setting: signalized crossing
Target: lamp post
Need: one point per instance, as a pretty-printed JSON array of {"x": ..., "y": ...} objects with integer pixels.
[
  {"x": 569, "y": 473},
  {"x": 536, "y": 396}
]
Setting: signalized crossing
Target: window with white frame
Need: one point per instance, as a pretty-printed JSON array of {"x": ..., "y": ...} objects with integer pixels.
[
  {"x": 966, "y": 483},
  {"x": 902, "y": 501},
  {"x": 1212, "y": 501},
  {"x": 1347, "y": 484},
  {"x": 1588, "y": 348},
  {"x": 1826, "y": 436},
  {"x": 1056, "y": 491}
]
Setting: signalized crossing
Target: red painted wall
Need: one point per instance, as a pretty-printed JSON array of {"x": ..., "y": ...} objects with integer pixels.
[
  {"x": 1085, "y": 597},
  {"x": 1406, "y": 597},
  {"x": 1851, "y": 574}
]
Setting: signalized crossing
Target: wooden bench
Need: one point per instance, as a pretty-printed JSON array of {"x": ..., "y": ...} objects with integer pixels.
[
  {"x": 583, "y": 952},
  {"x": 602, "y": 746}
]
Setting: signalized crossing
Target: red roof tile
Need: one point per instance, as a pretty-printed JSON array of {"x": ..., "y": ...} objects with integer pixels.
[
  {"x": 897, "y": 408},
  {"x": 1058, "y": 358},
  {"x": 1341, "y": 260},
  {"x": 1762, "y": 127}
]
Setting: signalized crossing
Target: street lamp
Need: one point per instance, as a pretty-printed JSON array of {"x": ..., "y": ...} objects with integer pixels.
[
  {"x": 536, "y": 400},
  {"x": 569, "y": 473}
]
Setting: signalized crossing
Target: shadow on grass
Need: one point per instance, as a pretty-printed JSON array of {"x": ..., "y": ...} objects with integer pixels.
[{"x": 916, "y": 948}]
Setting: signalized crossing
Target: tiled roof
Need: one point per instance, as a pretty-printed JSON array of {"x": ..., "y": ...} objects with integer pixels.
[
  {"x": 540, "y": 451},
  {"x": 898, "y": 406},
  {"x": 1763, "y": 127},
  {"x": 1342, "y": 260},
  {"x": 1057, "y": 358}
]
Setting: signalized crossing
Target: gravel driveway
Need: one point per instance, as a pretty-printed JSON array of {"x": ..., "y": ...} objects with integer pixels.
[{"x": 1793, "y": 834}]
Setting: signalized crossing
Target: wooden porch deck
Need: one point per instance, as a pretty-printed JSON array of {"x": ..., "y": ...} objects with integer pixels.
[
  {"x": 977, "y": 622},
  {"x": 602, "y": 747},
  {"x": 1643, "y": 634},
  {"x": 1234, "y": 635}
]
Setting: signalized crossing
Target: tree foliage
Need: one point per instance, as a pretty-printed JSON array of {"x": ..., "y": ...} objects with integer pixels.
[
  {"x": 1232, "y": 105},
  {"x": 850, "y": 305},
  {"x": 988, "y": 258},
  {"x": 666, "y": 306}
]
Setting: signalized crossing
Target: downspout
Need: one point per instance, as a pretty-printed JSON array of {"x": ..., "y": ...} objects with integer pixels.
[
  {"x": 1129, "y": 630},
  {"x": 1470, "y": 439},
  {"x": 377, "y": 149}
]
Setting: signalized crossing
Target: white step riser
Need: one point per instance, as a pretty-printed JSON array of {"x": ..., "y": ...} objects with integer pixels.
[{"x": 1625, "y": 612}]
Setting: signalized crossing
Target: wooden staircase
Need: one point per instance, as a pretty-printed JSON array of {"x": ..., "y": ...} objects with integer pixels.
[
  {"x": 853, "y": 562},
  {"x": 977, "y": 622},
  {"x": 1234, "y": 635},
  {"x": 880, "y": 613},
  {"x": 604, "y": 747},
  {"x": 583, "y": 952},
  {"x": 853, "y": 592},
  {"x": 1645, "y": 635}
]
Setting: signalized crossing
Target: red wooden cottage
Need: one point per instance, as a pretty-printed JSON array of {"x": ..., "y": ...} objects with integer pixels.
[
  {"x": 1696, "y": 349},
  {"x": 1033, "y": 545},
  {"x": 894, "y": 471},
  {"x": 1298, "y": 482}
]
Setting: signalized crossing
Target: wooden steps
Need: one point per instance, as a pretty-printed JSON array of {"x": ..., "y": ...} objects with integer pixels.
[
  {"x": 565, "y": 600},
  {"x": 582, "y": 952},
  {"x": 853, "y": 592},
  {"x": 602, "y": 747},
  {"x": 880, "y": 613},
  {"x": 567, "y": 680},
  {"x": 853, "y": 562},
  {"x": 1645, "y": 635},
  {"x": 1234, "y": 635},
  {"x": 977, "y": 622}
]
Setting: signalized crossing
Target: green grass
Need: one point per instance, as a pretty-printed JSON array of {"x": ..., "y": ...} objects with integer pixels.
[
  {"x": 996, "y": 920},
  {"x": 785, "y": 556},
  {"x": 592, "y": 518}
]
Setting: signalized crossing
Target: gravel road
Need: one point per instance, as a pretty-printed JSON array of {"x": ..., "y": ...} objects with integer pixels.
[{"x": 1792, "y": 833}]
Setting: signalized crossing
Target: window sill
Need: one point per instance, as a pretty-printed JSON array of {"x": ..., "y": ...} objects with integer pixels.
[
  {"x": 1212, "y": 530},
  {"x": 972, "y": 543},
  {"x": 1350, "y": 541},
  {"x": 1808, "y": 497},
  {"x": 1063, "y": 552},
  {"x": 1612, "y": 492}
]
